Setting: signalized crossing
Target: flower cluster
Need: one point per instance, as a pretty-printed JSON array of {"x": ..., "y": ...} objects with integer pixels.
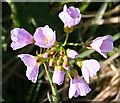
[{"x": 56, "y": 57}]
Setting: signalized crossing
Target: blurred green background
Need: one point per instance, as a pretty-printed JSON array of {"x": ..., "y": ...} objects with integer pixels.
[{"x": 98, "y": 19}]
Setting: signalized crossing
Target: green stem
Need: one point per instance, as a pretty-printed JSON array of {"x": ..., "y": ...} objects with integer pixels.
[
  {"x": 76, "y": 44},
  {"x": 55, "y": 97},
  {"x": 67, "y": 35}
]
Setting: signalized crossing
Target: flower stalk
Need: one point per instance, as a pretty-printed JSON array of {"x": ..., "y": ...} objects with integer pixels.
[
  {"x": 55, "y": 97},
  {"x": 65, "y": 42}
]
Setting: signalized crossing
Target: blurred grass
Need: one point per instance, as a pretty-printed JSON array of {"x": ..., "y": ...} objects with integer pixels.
[{"x": 29, "y": 15}]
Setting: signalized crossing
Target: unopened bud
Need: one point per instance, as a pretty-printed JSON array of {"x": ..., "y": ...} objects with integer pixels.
[
  {"x": 45, "y": 55},
  {"x": 61, "y": 52},
  {"x": 52, "y": 62},
  {"x": 58, "y": 68},
  {"x": 66, "y": 65},
  {"x": 65, "y": 58},
  {"x": 53, "y": 52},
  {"x": 59, "y": 62},
  {"x": 72, "y": 53},
  {"x": 60, "y": 58}
]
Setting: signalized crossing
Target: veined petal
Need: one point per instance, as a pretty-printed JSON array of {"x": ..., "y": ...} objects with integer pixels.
[
  {"x": 70, "y": 16},
  {"x": 58, "y": 77},
  {"x": 32, "y": 73},
  {"x": 72, "y": 89},
  {"x": 44, "y": 37},
  {"x": 28, "y": 60},
  {"x": 83, "y": 87},
  {"x": 102, "y": 45},
  {"x": 92, "y": 66},
  {"x": 20, "y": 38}
]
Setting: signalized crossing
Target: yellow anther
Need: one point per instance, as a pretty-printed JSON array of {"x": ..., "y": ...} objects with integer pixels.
[{"x": 47, "y": 39}]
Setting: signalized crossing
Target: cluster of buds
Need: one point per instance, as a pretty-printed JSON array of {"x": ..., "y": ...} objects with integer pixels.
[{"x": 57, "y": 57}]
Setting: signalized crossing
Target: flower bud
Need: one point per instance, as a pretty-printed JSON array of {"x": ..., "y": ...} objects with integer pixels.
[
  {"x": 52, "y": 62},
  {"x": 60, "y": 57},
  {"x": 53, "y": 52},
  {"x": 45, "y": 55},
  {"x": 66, "y": 65},
  {"x": 65, "y": 58},
  {"x": 72, "y": 53},
  {"x": 59, "y": 62}
]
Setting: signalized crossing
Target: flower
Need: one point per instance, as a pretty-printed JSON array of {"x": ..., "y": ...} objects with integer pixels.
[
  {"x": 58, "y": 75},
  {"x": 89, "y": 68},
  {"x": 70, "y": 16},
  {"x": 72, "y": 53},
  {"x": 32, "y": 66},
  {"x": 44, "y": 37},
  {"x": 78, "y": 87},
  {"x": 103, "y": 45},
  {"x": 20, "y": 38}
]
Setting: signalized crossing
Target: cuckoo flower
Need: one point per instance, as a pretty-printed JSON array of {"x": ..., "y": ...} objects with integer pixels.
[
  {"x": 103, "y": 45},
  {"x": 89, "y": 68},
  {"x": 58, "y": 75},
  {"x": 70, "y": 16},
  {"x": 32, "y": 66},
  {"x": 72, "y": 53},
  {"x": 78, "y": 87},
  {"x": 44, "y": 37},
  {"x": 20, "y": 38}
]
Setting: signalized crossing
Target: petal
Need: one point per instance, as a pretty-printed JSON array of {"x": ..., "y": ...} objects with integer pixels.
[
  {"x": 39, "y": 37},
  {"x": 92, "y": 66},
  {"x": 85, "y": 73},
  {"x": 32, "y": 73},
  {"x": 58, "y": 77},
  {"x": 76, "y": 94},
  {"x": 106, "y": 46},
  {"x": 28, "y": 60},
  {"x": 20, "y": 38},
  {"x": 72, "y": 89},
  {"x": 83, "y": 87}
]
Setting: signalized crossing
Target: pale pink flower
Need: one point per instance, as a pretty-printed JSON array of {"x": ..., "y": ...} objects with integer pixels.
[
  {"x": 103, "y": 45},
  {"x": 70, "y": 16},
  {"x": 78, "y": 87},
  {"x": 89, "y": 68},
  {"x": 44, "y": 37}
]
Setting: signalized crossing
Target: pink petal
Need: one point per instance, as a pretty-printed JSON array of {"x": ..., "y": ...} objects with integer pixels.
[
  {"x": 107, "y": 46},
  {"x": 84, "y": 88},
  {"x": 20, "y": 38},
  {"x": 58, "y": 77},
  {"x": 92, "y": 66},
  {"x": 32, "y": 73},
  {"x": 28, "y": 60},
  {"x": 72, "y": 89}
]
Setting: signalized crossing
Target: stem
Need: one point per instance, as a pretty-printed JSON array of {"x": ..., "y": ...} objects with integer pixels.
[
  {"x": 76, "y": 44},
  {"x": 67, "y": 35},
  {"x": 55, "y": 97}
]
